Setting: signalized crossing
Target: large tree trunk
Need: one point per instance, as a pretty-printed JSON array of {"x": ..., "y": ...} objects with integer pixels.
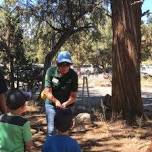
[{"x": 126, "y": 89}]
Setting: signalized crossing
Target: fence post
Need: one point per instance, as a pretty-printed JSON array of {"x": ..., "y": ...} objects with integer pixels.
[{"x": 85, "y": 83}]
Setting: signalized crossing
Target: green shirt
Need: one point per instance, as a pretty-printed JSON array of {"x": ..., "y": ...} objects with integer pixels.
[
  {"x": 61, "y": 86},
  {"x": 14, "y": 133}
]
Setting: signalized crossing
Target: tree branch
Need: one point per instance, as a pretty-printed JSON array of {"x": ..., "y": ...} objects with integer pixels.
[
  {"x": 145, "y": 13},
  {"x": 137, "y": 2},
  {"x": 40, "y": 18},
  {"x": 82, "y": 28}
]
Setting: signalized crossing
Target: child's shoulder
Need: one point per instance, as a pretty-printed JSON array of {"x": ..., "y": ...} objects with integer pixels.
[
  {"x": 14, "y": 120},
  {"x": 64, "y": 138}
]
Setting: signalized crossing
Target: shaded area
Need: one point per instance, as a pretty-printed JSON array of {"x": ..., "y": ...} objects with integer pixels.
[{"x": 100, "y": 136}]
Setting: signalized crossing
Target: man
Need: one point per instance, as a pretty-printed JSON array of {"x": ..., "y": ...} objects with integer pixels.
[
  {"x": 3, "y": 89},
  {"x": 61, "y": 85}
]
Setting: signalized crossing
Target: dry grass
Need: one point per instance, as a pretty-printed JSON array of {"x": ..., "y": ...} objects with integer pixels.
[
  {"x": 114, "y": 137},
  {"x": 99, "y": 137}
]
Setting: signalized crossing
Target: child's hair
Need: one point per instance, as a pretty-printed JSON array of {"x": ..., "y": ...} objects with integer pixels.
[
  {"x": 15, "y": 99},
  {"x": 63, "y": 120}
]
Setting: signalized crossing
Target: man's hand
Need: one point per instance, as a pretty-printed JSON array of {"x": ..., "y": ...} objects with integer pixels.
[
  {"x": 64, "y": 105},
  {"x": 58, "y": 104},
  {"x": 43, "y": 95},
  {"x": 70, "y": 101}
]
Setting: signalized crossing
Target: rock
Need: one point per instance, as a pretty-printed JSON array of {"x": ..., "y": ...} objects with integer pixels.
[{"x": 83, "y": 119}]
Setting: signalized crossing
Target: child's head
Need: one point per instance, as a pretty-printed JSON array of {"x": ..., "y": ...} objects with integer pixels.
[
  {"x": 63, "y": 120},
  {"x": 16, "y": 99}
]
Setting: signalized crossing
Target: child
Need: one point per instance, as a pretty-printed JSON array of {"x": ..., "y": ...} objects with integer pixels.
[
  {"x": 15, "y": 133},
  {"x": 61, "y": 142}
]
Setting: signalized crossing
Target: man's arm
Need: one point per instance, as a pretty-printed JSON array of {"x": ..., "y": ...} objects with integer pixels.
[{"x": 71, "y": 100}]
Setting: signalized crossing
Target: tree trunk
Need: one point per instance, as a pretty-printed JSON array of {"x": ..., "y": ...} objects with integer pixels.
[
  {"x": 126, "y": 89},
  {"x": 12, "y": 80}
]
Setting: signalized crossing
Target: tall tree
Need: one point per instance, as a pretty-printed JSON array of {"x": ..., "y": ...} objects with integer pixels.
[
  {"x": 65, "y": 18},
  {"x": 11, "y": 36},
  {"x": 146, "y": 30},
  {"x": 126, "y": 58},
  {"x": 92, "y": 47}
]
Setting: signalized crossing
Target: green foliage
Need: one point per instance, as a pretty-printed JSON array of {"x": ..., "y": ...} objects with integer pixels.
[
  {"x": 11, "y": 32},
  {"x": 146, "y": 30},
  {"x": 92, "y": 47},
  {"x": 90, "y": 37},
  {"x": 149, "y": 19},
  {"x": 63, "y": 19},
  {"x": 11, "y": 38}
]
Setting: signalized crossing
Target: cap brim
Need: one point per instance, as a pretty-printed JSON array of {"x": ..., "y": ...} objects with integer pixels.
[{"x": 65, "y": 60}]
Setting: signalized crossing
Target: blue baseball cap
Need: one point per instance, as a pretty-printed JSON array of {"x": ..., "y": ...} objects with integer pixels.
[{"x": 64, "y": 56}]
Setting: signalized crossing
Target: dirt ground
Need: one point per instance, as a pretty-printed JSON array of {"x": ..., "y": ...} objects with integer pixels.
[{"x": 100, "y": 136}]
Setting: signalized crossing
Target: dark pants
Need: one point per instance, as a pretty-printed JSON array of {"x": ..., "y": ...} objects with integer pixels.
[{"x": 50, "y": 114}]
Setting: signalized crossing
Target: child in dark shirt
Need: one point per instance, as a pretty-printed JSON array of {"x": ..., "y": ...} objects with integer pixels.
[{"x": 61, "y": 142}]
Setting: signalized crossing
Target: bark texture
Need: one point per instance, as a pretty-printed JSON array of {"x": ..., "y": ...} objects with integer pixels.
[{"x": 126, "y": 89}]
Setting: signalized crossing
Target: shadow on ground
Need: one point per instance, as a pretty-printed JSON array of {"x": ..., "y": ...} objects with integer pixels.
[{"x": 100, "y": 137}]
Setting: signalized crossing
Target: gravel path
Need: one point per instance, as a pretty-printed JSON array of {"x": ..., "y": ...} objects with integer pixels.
[{"x": 98, "y": 87}]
